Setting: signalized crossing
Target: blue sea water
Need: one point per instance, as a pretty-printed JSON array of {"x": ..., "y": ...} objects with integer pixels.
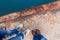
[{"x": 9, "y": 6}]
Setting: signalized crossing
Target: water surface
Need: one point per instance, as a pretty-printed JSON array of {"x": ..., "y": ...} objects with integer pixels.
[{"x": 9, "y": 6}]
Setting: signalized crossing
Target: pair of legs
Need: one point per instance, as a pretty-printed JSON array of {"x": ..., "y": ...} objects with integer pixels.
[
  {"x": 37, "y": 35},
  {"x": 20, "y": 36},
  {"x": 4, "y": 33}
]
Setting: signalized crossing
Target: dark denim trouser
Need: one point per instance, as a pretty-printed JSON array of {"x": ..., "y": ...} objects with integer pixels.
[{"x": 4, "y": 33}]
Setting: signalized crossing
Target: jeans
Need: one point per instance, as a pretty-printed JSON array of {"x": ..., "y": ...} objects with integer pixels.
[
  {"x": 39, "y": 37},
  {"x": 4, "y": 33},
  {"x": 11, "y": 32},
  {"x": 43, "y": 39},
  {"x": 19, "y": 36}
]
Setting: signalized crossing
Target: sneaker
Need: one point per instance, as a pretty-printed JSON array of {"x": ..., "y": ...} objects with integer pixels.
[
  {"x": 19, "y": 27},
  {"x": 27, "y": 32}
]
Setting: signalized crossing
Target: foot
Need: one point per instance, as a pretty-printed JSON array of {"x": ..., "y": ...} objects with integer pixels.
[
  {"x": 19, "y": 27},
  {"x": 27, "y": 32}
]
